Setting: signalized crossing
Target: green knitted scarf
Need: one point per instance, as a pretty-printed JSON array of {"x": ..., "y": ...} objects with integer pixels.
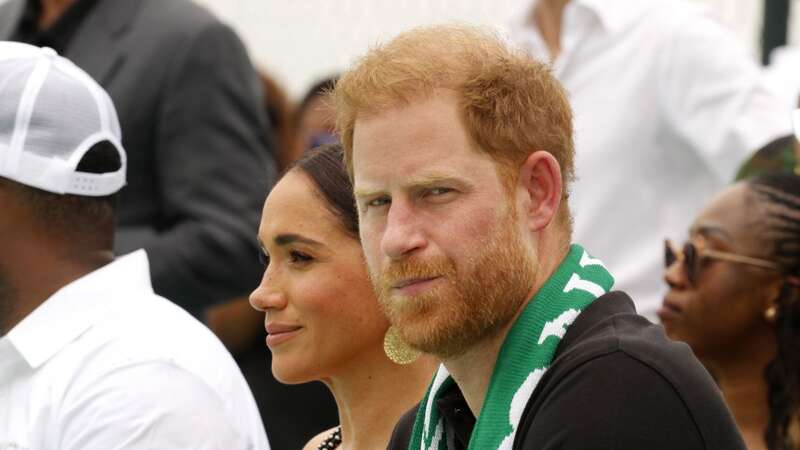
[{"x": 525, "y": 356}]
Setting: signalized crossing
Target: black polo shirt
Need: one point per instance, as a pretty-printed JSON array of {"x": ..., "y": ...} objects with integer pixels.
[
  {"x": 616, "y": 383},
  {"x": 57, "y": 36}
]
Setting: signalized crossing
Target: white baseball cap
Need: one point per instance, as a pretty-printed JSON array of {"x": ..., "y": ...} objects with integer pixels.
[{"x": 51, "y": 114}]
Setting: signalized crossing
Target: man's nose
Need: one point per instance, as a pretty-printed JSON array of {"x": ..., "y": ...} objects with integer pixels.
[{"x": 403, "y": 234}]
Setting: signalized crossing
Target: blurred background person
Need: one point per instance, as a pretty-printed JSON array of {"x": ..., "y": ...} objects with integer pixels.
[
  {"x": 322, "y": 316},
  {"x": 189, "y": 102},
  {"x": 302, "y": 42},
  {"x": 90, "y": 357},
  {"x": 314, "y": 118},
  {"x": 280, "y": 111},
  {"x": 668, "y": 104},
  {"x": 734, "y": 297},
  {"x": 783, "y": 74}
]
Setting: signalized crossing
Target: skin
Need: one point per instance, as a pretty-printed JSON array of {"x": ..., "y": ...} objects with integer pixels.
[
  {"x": 547, "y": 15},
  {"x": 424, "y": 193},
  {"x": 323, "y": 318},
  {"x": 52, "y": 11},
  {"x": 28, "y": 244},
  {"x": 7, "y": 301},
  {"x": 725, "y": 309}
]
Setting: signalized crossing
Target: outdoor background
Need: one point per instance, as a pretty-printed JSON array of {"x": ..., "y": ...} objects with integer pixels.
[{"x": 300, "y": 41}]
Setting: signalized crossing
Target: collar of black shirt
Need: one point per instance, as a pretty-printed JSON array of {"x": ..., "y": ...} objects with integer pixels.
[{"x": 458, "y": 418}]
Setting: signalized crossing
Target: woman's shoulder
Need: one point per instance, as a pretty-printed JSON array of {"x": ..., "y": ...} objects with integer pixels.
[{"x": 315, "y": 442}]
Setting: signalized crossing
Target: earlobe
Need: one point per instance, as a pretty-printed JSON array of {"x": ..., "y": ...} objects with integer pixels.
[
  {"x": 540, "y": 176},
  {"x": 775, "y": 291},
  {"x": 771, "y": 314}
]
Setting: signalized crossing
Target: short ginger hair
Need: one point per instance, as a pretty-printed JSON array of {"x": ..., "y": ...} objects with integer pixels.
[{"x": 511, "y": 105}]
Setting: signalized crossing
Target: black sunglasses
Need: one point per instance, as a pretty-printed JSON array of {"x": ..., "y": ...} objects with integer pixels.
[{"x": 693, "y": 254}]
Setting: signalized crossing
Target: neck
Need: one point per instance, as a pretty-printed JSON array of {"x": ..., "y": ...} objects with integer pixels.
[
  {"x": 52, "y": 10},
  {"x": 373, "y": 394},
  {"x": 547, "y": 15},
  {"x": 472, "y": 370},
  {"x": 36, "y": 274},
  {"x": 743, "y": 385}
]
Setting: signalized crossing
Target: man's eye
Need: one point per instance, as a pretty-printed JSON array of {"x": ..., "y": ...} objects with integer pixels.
[
  {"x": 439, "y": 194},
  {"x": 378, "y": 202},
  {"x": 298, "y": 257},
  {"x": 440, "y": 191}
]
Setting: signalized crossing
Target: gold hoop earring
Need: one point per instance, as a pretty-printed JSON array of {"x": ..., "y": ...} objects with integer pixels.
[
  {"x": 770, "y": 314},
  {"x": 397, "y": 349}
]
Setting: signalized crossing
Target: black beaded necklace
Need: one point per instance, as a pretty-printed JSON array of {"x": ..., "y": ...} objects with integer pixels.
[{"x": 333, "y": 441}]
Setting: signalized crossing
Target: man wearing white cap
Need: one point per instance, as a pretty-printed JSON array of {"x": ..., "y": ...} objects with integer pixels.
[
  {"x": 199, "y": 150},
  {"x": 90, "y": 357}
]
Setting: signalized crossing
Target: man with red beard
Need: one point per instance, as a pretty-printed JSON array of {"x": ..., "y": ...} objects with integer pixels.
[{"x": 461, "y": 153}]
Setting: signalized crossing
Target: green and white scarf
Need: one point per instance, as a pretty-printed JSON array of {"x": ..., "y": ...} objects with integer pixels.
[{"x": 525, "y": 356}]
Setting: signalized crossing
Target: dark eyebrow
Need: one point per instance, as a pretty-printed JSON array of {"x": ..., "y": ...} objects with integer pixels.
[{"x": 286, "y": 239}]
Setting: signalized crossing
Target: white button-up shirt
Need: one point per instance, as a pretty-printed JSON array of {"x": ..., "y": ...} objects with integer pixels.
[
  {"x": 106, "y": 364},
  {"x": 667, "y": 106}
]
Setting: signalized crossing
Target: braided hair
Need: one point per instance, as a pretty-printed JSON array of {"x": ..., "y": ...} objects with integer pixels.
[{"x": 780, "y": 194}]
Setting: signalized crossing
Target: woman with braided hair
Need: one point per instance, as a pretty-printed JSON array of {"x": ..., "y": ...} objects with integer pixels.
[{"x": 734, "y": 297}]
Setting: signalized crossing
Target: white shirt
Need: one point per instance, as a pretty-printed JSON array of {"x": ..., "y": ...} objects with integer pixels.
[
  {"x": 783, "y": 74},
  {"x": 107, "y": 364},
  {"x": 667, "y": 105}
]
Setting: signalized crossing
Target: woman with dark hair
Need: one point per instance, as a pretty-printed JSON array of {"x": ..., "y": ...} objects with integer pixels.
[
  {"x": 734, "y": 297},
  {"x": 322, "y": 317}
]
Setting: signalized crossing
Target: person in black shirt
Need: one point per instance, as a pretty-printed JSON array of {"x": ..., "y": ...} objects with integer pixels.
[{"x": 461, "y": 154}]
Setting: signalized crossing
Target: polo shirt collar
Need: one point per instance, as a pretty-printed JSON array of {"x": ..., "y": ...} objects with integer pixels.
[
  {"x": 612, "y": 15},
  {"x": 76, "y": 307}
]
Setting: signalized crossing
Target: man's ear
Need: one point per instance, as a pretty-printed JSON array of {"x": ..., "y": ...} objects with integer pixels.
[{"x": 540, "y": 178}]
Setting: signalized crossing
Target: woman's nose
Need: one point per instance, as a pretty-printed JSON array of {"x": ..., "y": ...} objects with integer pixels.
[
  {"x": 267, "y": 296},
  {"x": 675, "y": 275}
]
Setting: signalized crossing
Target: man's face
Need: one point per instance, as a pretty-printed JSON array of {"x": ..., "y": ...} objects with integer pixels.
[{"x": 442, "y": 237}]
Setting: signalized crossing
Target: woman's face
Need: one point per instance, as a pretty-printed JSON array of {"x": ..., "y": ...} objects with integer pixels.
[
  {"x": 725, "y": 305},
  {"x": 321, "y": 312}
]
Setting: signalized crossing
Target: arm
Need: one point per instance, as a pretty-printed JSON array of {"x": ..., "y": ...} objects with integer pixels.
[
  {"x": 616, "y": 402},
  {"x": 150, "y": 405},
  {"x": 714, "y": 95},
  {"x": 214, "y": 167}
]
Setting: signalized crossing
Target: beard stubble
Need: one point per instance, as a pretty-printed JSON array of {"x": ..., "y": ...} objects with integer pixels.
[{"x": 467, "y": 306}]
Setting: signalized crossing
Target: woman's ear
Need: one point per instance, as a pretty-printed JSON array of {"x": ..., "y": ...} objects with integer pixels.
[{"x": 540, "y": 177}]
